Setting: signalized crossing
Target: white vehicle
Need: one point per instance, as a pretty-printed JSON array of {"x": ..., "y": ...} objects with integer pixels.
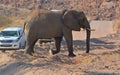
[{"x": 12, "y": 38}]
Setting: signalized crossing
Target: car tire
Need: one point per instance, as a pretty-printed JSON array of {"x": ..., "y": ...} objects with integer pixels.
[
  {"x": 3, "y": 51},
  {"x": 24, "y": 45},
  {"x": 20, "y": 46}
]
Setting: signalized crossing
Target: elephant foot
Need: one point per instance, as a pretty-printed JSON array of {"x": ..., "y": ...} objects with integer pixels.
[
  {"x": 54, "y": 52},
  {"x": 87, "y": 51},
  {"x": 30, "y": 53},
  {"x": 72, "y": 55}
]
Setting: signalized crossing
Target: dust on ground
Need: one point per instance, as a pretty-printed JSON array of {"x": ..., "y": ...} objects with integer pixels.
[{"x": 103, "y": 59}]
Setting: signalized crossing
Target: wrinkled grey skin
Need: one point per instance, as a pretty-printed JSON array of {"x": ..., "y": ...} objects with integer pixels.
[{"x": 50, "y": 24}]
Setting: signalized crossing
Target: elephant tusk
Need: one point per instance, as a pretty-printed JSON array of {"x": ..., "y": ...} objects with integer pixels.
[
  {"x": 81, "y": 29},
  {"x": 90, "y": 29},
  {"x": 64, "y": 14}
]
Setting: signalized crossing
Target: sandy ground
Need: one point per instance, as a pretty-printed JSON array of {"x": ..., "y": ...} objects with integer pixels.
[{"x": 103, "y": 59}]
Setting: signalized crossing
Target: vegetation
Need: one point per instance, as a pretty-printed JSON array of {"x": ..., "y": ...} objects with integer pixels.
[{"x": 95, "y": 9}]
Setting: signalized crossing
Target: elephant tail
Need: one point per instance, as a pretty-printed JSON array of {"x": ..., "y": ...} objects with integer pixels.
[{"x": 24, "y": 26}]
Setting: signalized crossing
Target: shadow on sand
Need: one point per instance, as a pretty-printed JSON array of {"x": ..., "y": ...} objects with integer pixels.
[
  {"x": 94, "y": 44},
  {"x": 100, "y": 73}
]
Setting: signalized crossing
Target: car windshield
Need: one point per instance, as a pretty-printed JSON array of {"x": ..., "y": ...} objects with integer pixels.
[{"x": 9, "y": 33}]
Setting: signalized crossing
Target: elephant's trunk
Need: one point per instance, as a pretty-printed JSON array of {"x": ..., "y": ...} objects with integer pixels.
[
  {"x": 88, "y": 32},
  {"x": 86, "y": 25}
]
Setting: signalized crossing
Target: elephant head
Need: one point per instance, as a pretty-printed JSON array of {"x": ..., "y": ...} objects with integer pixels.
[{"x": 76, "y": 20}]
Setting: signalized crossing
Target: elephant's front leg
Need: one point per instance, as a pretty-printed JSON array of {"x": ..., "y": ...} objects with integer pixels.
[
  {"x": 69, "y": 39},
  {"x": 57, "y": 45}
]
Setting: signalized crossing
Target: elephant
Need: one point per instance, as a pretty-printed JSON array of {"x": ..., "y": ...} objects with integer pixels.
[{"x": 43, "y": 24}]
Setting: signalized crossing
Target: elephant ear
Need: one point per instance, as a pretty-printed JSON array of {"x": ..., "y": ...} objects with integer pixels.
[{"x": 70, "y": 20}]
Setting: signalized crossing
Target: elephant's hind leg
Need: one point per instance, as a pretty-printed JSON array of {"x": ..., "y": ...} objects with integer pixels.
[
  {"x": 29, "y": 50},
  {"x": 57, "y": 45},
  {"x": 30, "y": 47}
]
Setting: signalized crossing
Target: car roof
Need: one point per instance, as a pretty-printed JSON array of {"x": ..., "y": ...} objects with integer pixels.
[{"x": 12, "y": 29}]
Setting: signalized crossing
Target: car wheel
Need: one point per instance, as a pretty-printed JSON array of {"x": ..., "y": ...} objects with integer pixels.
[
  {"x": 24, "y": 45},
  {"x": 3, "y": 51},
  {"x": 20, "y": 46}
]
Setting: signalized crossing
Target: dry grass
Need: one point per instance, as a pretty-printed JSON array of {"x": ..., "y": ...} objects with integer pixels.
[
  {"x": 5, "y": 21},
  {"x": 13, "y": 21},
  {"x": 117, "y": 26},
  {"x": 17, "y": 21},
  {"x": 10, "y": 16}
]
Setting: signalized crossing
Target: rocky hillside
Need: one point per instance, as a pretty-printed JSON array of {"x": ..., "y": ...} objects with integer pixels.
[{"x": 95, "y": 9}]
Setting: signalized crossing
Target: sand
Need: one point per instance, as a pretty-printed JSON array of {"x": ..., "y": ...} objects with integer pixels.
[{"x": 103, "y": 59}]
